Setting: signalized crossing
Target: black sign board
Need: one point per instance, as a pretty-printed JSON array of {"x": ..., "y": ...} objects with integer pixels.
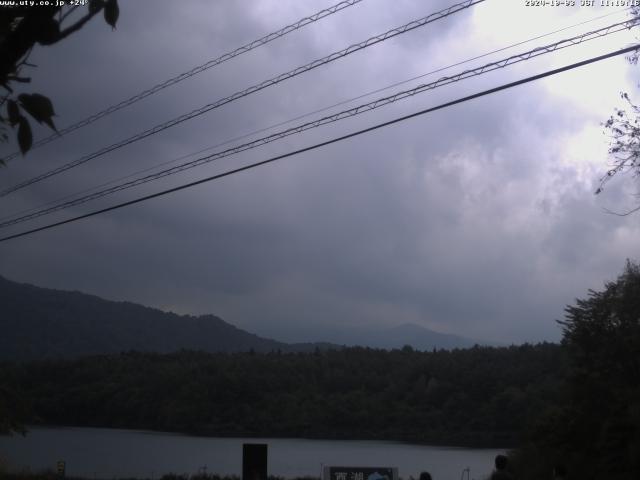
[
  {"x": 254, "y": 461},
  {"x": 360, "y": 473}
]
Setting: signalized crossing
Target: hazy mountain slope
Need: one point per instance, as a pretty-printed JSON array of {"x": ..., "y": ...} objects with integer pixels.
[
  {"x": 38, "y": 322},
  {"x": 423, "y": 338},
  {"x": 41, "y": 323},
  {"x": 418, "y": 337}
]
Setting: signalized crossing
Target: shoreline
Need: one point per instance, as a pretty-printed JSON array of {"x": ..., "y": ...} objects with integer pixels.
[
  {"x": 253, "y": 436},
  {"x": 126, "y": 454}
]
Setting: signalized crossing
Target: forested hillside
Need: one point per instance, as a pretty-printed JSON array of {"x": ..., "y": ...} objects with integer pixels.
[
  {"x": 42, "y": 323},
  {"x": 594, "y": 432},
  {"x": 478, "y": 396},
  {"x": 38, "y": 323},
  {"x": 574, "y": 404}
]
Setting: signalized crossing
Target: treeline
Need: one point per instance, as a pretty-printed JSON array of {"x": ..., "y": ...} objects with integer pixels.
[
  {"x": 594, "y": 432},
  {"x": 576, "y": 404},
  {"x": 480, "y": 396}
]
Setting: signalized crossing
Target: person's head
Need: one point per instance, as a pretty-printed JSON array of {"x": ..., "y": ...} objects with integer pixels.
[
  {"x": 501, "y": 462},
  {"x": 559, "y": 472},
  {"x": 425, "y": 476}
]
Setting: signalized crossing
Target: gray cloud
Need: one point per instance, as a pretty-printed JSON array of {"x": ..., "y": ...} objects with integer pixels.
[{"x": 470, "y": 220}]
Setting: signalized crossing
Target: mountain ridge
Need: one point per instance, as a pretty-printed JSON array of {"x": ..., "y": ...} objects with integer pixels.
[
  {"x": 48, "y": 323},
  {"x": 41, "y": 323},
  {"x": 412, "y": 334}
]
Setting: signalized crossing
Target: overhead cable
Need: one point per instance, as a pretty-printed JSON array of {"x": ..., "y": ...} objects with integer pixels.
[
  {"x": 327, "y": 142},
  {"x": 299, "y": 117},
  {"x": 253, "y": 89},
  {"x": 576, "y": 40},
  {"x": 303, "y": 22}
]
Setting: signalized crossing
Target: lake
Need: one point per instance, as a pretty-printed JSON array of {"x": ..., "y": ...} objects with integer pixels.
[{"x": 108, "y": 453}]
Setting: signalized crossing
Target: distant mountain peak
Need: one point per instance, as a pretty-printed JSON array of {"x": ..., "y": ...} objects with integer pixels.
[
  {"x": 45, "y": 323},
  {"x": 411, "y": 327}
]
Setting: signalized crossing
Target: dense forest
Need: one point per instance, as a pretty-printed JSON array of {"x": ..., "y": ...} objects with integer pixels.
[
  {"x": 594, "y": 431},
  {"x": 575, "y": 404},
  {"x": 477, "y": 396}
]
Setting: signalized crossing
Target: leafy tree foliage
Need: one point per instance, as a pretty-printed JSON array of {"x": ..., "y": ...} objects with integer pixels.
[
  {"x": 624, "y": 129},
  {"x": 21, "y": 29},
  {"x": 596, "y": 429},
  {"x": 477, "y": 396}
]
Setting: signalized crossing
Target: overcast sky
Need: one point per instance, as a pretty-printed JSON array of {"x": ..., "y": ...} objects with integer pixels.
[{"x": 478, "y": 220}]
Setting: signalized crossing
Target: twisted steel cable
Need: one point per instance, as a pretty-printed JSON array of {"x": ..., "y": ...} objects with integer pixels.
[
  {"x": 253, "y": 89},
  {"x": 633, "y": 48},
  {"x": 194, "y": 71},
  {"x": 576, "y": 40}
]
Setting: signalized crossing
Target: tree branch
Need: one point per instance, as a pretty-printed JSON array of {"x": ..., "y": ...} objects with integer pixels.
[
  {"x": 78, "y": 25},
  {"x": 625, "y": 214},
  {"x": 16, "y": 44}
]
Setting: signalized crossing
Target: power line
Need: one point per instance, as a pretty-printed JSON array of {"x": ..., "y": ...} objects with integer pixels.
[
  {"x": 253, "y": 89},
  {"x": 328, "y": 142},
  {"x": 308, "y": 114},
  {"x": 303, "y": 22},
  {"x": 334, "y": 118}
]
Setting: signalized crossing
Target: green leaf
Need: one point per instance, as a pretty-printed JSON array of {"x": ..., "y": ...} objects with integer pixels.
[
  {"x": 25, "y": 138},
  {"x": 111, "y": 12},
  {"x": 13, "y": 112},
  {"x": 39, "y": 107}
]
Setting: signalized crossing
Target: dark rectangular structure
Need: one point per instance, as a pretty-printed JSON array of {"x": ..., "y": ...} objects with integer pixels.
[{"x": 254, "y": 461}]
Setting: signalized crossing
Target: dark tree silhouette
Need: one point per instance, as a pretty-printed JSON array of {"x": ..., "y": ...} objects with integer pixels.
[
  {"x": 602, "y": 334},
  {"x": 595, "y": 430},
  {"x": 624, "y": 129},
  {"x": 21, "y": 29}
]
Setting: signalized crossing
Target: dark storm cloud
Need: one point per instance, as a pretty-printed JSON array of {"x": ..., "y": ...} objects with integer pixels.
[{"x": 469, "y": 220}]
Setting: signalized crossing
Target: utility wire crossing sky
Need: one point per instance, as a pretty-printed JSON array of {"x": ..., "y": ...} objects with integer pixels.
[
  {"x": 21, "y": 215},
  {"x": 251, "y": 90},
  {"x": 573, "y": 41},
  {"x": 479, "y": 220},
  {"x": 303, "y": 22},
  {"x": 328, "y": 142}
]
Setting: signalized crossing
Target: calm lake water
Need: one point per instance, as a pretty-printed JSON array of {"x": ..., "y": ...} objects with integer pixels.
[{"x": 107, "y": 453}]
